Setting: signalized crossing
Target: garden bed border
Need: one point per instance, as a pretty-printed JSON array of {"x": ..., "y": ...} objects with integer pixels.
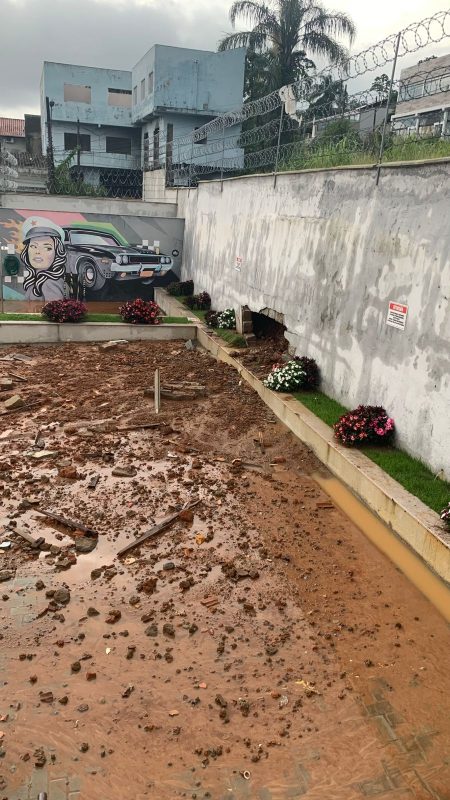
[
  {"x": 405, "y": 515},
  {"x": 23, "y": 332}
]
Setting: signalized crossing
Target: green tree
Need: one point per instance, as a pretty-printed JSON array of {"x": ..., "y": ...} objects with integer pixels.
[
  {"x": 291, "y": 32},
  {"x": 328, "y": 98},
  {"x": 381, "y": 85}
]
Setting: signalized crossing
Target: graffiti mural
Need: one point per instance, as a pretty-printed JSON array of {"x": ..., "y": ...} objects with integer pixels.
[
  {"x": 44, "y": 259},
  {"x": 89, "y": 256}
]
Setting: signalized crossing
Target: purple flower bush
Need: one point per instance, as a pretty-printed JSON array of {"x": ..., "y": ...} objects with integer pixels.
[
  {"x": 64, "y": 311},
  {"x": 140, "y": 312},
  {"x": 364, "y": 425}
]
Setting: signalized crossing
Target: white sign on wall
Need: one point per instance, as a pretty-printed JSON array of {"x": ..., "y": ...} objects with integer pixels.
[{"x": 396, "y": 316}]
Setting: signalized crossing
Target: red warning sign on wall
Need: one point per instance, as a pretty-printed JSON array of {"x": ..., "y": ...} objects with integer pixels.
[{"x": 396, "y": 317}]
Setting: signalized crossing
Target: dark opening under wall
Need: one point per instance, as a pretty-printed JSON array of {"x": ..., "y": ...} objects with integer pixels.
[{"x": 265, "y": 327}]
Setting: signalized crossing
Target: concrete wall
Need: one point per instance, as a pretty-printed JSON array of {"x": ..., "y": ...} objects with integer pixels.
[
  {"x": 329, "y": 249},
  {"x": 92, "y": 205}
]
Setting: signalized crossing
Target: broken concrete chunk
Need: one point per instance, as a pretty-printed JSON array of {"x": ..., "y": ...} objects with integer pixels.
[
  {"x": 16, "y": 401},
  {"x": 124, "y": 472},
  {"x": 5, "y": 383},
  {"x": 113, "y": 343}
]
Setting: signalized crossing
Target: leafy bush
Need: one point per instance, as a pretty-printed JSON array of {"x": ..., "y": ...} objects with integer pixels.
[
  {"x": 312, "y": 374},
  {"x": 203, "y": 301},
  {"x": 181, "y": 288},
  {"x": 286, "y": 377},
  {"x": 226, "y": 319},
  {"x": 140, "y": 312},
  {"x": 445, "y": 515},
  {"x": 200, "y": 302},
  {"x": 211, "y": 319},
  {"x": 64, "y": 311},
  {"x": 363, "y": 425}
]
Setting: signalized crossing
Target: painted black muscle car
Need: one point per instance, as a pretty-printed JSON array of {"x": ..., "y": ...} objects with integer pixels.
[{"x": 96, "y": 257}]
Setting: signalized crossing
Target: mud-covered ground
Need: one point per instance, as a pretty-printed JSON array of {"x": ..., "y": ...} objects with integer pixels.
[{"x": 259, "y": 647}]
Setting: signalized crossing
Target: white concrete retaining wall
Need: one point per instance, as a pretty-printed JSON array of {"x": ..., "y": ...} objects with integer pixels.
[
  {"x": 329, "y": 249},
  {"x": 50, "y": 332},
  {"x": 163, "y": 207}
]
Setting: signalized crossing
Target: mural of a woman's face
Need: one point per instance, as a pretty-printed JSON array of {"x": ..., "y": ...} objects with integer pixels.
[{"x": 41, "y": 252}]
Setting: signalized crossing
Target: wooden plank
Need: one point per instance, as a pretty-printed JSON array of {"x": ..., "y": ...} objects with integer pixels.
[
  {"x": 160, "y": 526},
  {"x": 73, "y": 525}
]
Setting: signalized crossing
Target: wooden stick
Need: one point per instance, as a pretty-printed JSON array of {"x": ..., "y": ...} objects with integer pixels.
[
  {"x": 144, "y": 426},
  {"x": 68, "y": 523},
  {"x": 157, "y": 391},
  {"x": 27, "y": 536},
  {"x": 17, "y": 377},
  {"x": 156, "y": 528}
]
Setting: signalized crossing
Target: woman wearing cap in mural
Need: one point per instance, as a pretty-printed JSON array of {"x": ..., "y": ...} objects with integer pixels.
[{"x": 44, "y": 257}]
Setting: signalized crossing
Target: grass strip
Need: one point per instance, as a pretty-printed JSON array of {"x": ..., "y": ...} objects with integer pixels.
[
  {"x": 411, "y": 473},
  {"x": 11, "y": 317}
]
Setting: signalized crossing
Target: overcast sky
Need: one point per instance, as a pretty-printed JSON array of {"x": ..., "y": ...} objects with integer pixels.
[{"x": 116, "y": 33}]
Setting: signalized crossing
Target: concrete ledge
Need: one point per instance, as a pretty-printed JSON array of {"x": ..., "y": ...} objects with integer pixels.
[
  {"x": 51, "y": 332},
  {"x": 410, "y": 519}
]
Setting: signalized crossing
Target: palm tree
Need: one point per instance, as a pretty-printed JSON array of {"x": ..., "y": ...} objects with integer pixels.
[{"x": 289, "y": 31}]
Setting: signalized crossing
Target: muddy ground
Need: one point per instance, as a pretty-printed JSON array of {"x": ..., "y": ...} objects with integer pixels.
[{"x": 259, "y": 647}]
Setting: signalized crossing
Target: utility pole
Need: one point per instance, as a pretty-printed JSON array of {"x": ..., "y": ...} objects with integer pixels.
[{"x": 50, "y": 154}]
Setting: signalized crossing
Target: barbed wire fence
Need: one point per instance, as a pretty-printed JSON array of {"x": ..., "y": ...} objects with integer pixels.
[{"x": 318, "y": 122}]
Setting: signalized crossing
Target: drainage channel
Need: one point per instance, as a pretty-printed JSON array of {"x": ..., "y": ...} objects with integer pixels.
[{"x": 385, "y": 540}]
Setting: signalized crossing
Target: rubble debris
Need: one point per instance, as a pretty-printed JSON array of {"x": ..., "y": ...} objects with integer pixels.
[
  {"x": 113, "y": 616},
  {"x": 124, "y": 472},
  {"x": 62, "y": 596},
  {"x": 16, "y": 401},
  {"x": 93, "y": 482},
  {"x": 40, "y": 759},
  {"x": 111, "y": 345}
]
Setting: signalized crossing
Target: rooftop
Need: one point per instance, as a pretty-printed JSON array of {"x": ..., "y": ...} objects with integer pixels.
[{"x": 12, "y": 127}]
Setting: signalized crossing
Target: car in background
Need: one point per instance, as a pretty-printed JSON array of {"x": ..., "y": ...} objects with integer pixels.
[{"x": 96, "y": 256}]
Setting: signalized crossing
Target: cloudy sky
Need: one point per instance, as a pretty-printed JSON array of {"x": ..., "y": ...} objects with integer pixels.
[{"x": 116, "y": 33}]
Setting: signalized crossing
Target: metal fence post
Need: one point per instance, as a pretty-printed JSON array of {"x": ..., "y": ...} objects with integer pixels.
[
  {"x": 190, "y": 163},
  {"x": 223, "y": 155},
  {"x": 278, "y": 145},
  {"x": 388, "y": 103}
]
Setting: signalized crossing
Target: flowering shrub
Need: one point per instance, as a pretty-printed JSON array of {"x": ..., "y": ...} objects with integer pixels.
[
  {"x": 201, "y": 301},
  {"x": 140, "y": 312},
  {"x": 312, "y": 375},
  {"x": 178, "y": 288},
  {"x": 364, "y": 424},
  {"x": 286, "y": 377},
  {"x": 211, "y": 319},
  {"x": 64, "y": 311},
  {"x": 226, "y": 319},
  {"x": 445, "y": 515}
]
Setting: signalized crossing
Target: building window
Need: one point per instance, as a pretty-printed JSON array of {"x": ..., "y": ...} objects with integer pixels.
[
  {"x": 76, "y": 94},
  {"x": 119, "y": 97},
  {"x": 118, "y": 144},
  {"x": 411, "y": 91},
  {"x": 71, "y": 142},
  {"x": 142, "y": 88},
  {"x": 150, "y": 83},
  {"x": 200, "y": 141},
  {"x": 135, "y": 95}
]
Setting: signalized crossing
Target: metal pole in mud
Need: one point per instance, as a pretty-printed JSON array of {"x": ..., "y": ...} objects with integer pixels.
[
  {"x": 1, "y": 279},
  {"x": 157, "y": 392}
]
